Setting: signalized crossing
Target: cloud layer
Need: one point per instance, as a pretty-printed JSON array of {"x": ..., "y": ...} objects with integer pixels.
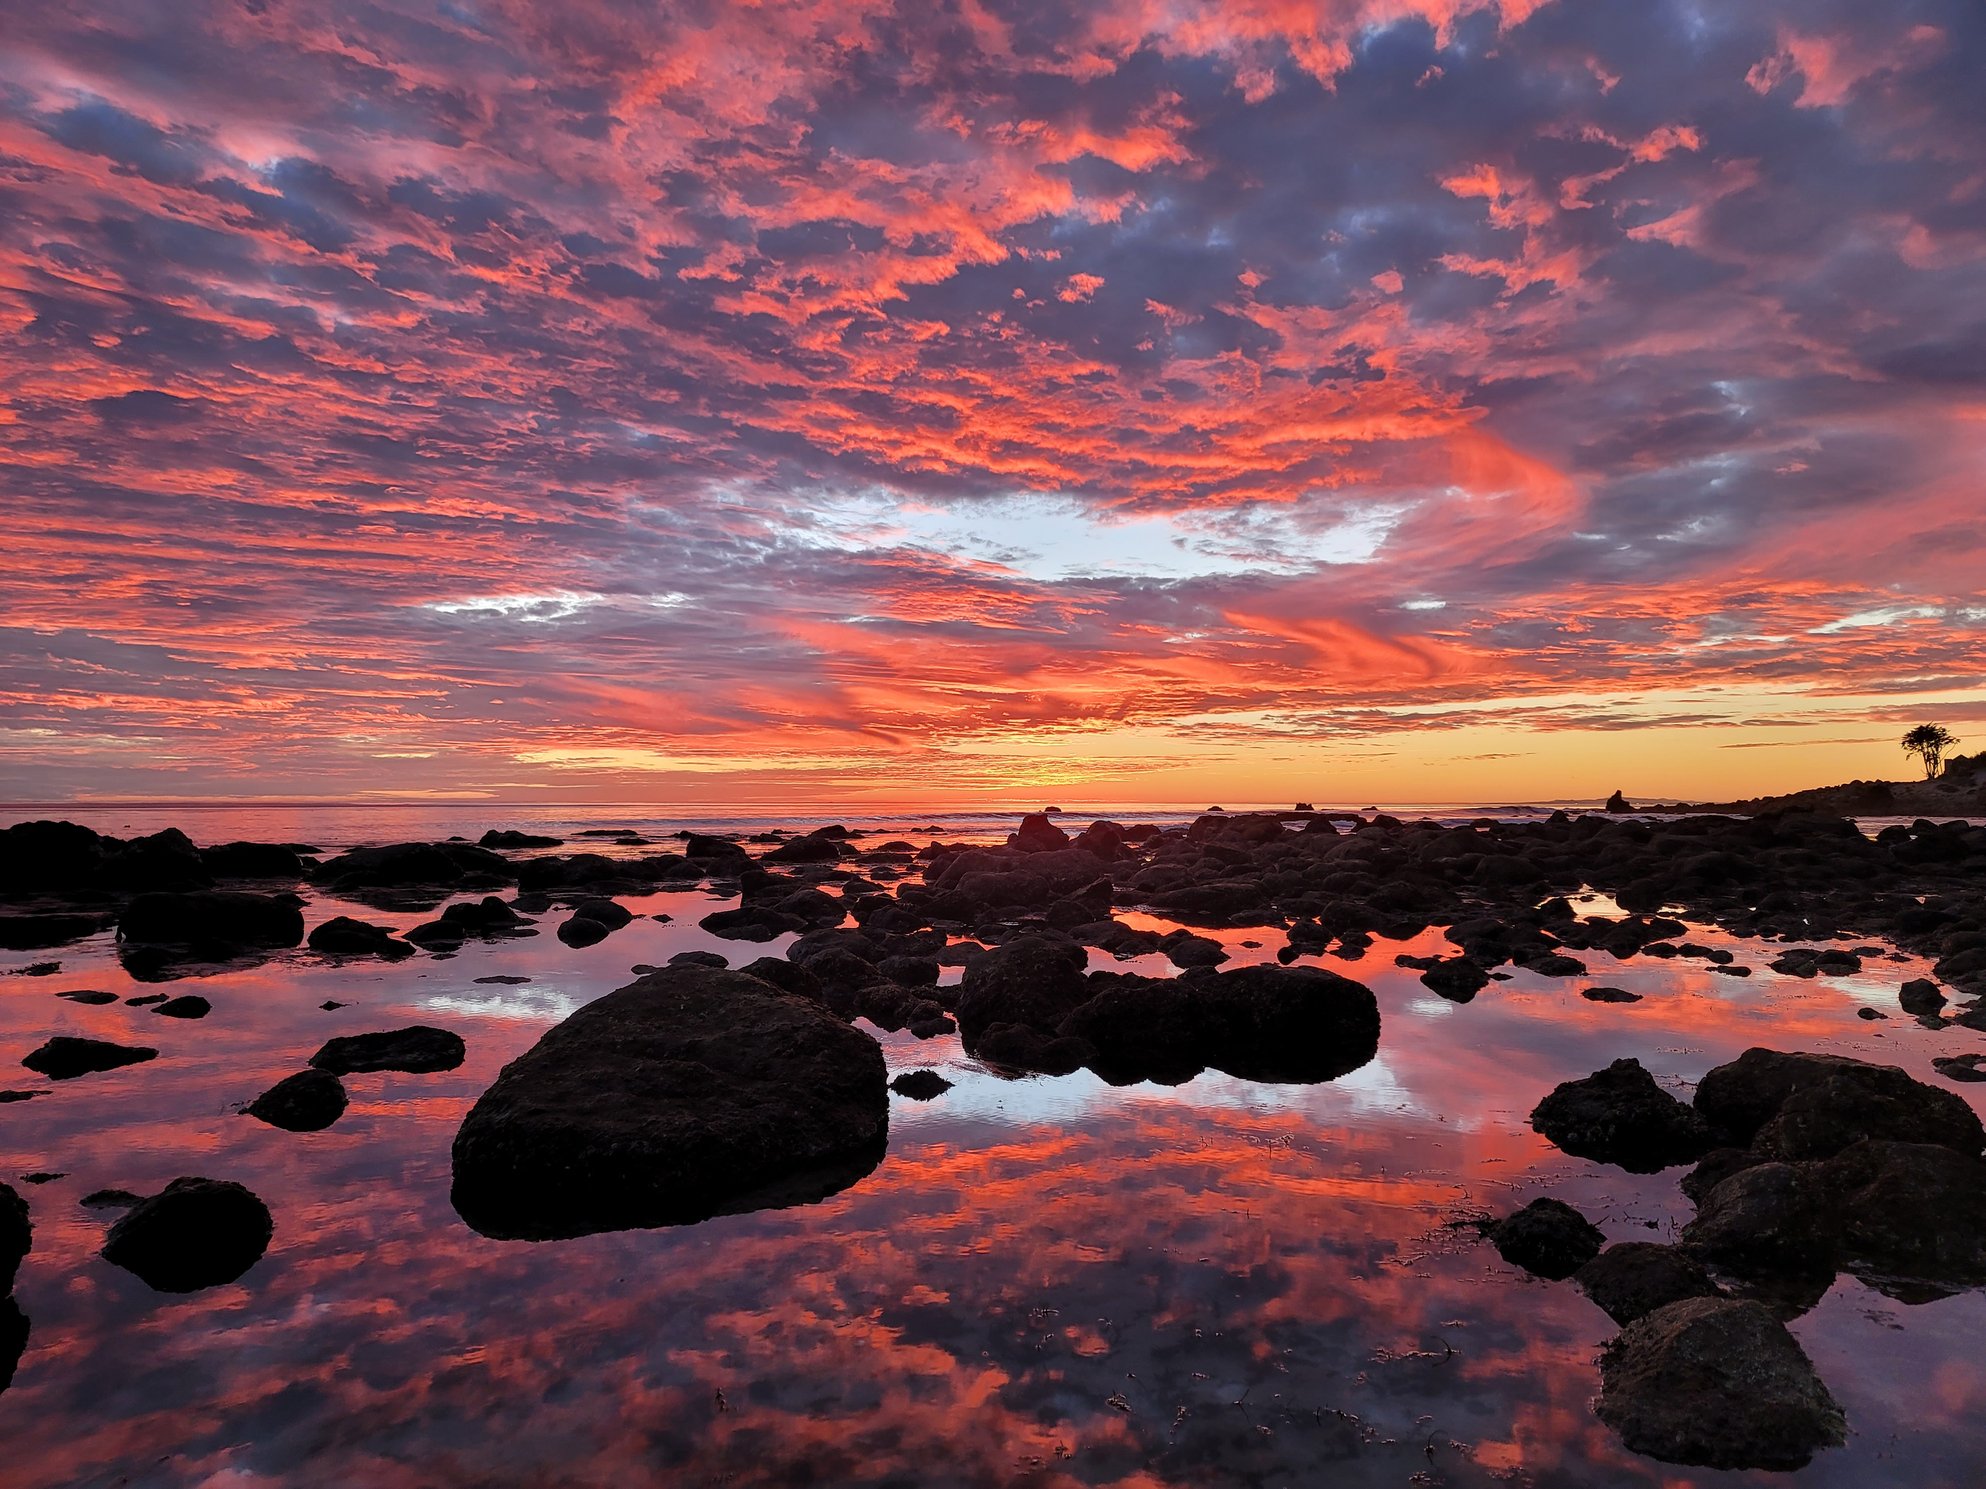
[{"x": 812, "y": 399}]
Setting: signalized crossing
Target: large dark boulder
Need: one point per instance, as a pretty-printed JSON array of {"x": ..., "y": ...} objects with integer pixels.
[
  {"x": 65, "y": 1057},
  {"x": 308, "y": 1101},
  {"x": 1031, "y": 981},
  {"x": 211, "y": 922},
  {"x": 1807, "y": 1106},
  {"x": 1717, "y": 1383},
  {"x": 416, "y": 866},
  {"x": 1619, "y": 1115},
  {"x": 51, "y": 857},
  {"x": 344, "y": 936},
  {"x": 1909, "y": 1210},
  {"x": 418, "y": 1049},
  {"x": 689, "y": 1093},
  {"x": 1456, "y": 978},
  {"x": 193, "y": 1234},
  {"x": 1633, "y": 1278},
  {"x": 593, "y": 921},
  {"x": 1547, "y": 1237},
  {"x": 1769, "y": 1220},
  {"x": 16, "y": 1236},
  {"x": 1038, "y": 835},
  {"x": 1289, "y": 1024}
]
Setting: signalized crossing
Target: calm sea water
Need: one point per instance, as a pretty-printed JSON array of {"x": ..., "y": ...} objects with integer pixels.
[{"x": 1047, "y": 1281}]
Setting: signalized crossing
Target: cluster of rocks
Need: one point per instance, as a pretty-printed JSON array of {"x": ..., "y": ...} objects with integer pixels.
[{"x": 1806, "y": 1166}]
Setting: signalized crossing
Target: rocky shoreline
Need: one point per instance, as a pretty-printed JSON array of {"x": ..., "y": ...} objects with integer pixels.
[{"x": 698, "y": 1091}]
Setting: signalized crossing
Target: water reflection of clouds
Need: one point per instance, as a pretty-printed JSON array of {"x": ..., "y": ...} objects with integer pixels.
[{"x": 1027, "y": 1251}]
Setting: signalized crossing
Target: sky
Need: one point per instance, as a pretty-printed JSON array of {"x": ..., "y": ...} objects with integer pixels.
[{"x": 1146, "y": 401}]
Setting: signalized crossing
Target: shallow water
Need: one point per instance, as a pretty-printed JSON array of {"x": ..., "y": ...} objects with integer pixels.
[{"x": 1046, "y": 1282}]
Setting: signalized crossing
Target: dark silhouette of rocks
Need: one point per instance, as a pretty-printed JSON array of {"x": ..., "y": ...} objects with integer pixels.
[
  {"x": 194, "y": 1234},
  {"x": 159, "y": 929},
  {"x": 593, "y": 921},
  {"x": 689, "y": 1093},
  {"x": 419, "y": 1049},
  {"x": 308, "y": 1101},
  {"x": 513, "y": 839},
  {"x": 1620, "y": 1116},
  {"x": 344, "y": 936},
  {"x": 1633, "y": 1278},
  {"x": 187, "y": 1006},
  {"x": 16, "y": 1235},
  {"x": 920, "y": 1085},
  {"x": 65, "y": 1057},
  {"x": 1717, "y": 1383},
  {"x": 1547, "y": 1238}
]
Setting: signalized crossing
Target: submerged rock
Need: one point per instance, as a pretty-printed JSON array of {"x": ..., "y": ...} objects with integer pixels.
[
  {"x": 308, "y": 1101},
  {"x": 419, "y": 1049},
  {"x": 1547, "y": 1237},
  {"x": 195, "y": 1233},
  {"x": 65, "y": 1057},
  {"x": 690, "y": 1093},
  {"x": 344, "y": 936},
  {"x": 1619, "y": 1115},
  {"x": 1632, "y": 1278},
  {"x": 1717, "y": 1383}
]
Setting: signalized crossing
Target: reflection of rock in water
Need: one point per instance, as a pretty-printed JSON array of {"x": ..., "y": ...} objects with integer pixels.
[
  {"x": 690, "y": 1093},
  {"x": 13, "y": 1339}
]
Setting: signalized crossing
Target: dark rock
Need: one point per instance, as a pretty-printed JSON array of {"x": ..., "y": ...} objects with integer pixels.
[
  {"x": 1028, "y": 981},
  {"x": 687, "y": 1094},
  {"x": 89, "y": 997},
  {"x": 419, "y": 1049},
  {"x": 1609, "y": 995},
  {"x": 416, "y": 866},
  {"x": 1960, "y": 1067},
  {"x": 594, "y": 920},
  {"x": 751, "y": 923},
  {"x": 1915, "y": 1210},
  {"x": 513, "y": 839},
  {"x": 1617, "y": 803},
  {"x": 1768, "y": 1219},
  {"x": 65, "y": 1057},
  {"x": 308, "y": 1101},
  {"x": 149, "y": 1000},
  {"x": 1019, "y": 1048},
  {"x": 211, "y": 924},
  {"x": 500, "y": 979},
  {"x": 920, "y": 1085},
  {"x": 1620, "y": 1116},
  {"x": 16, "y": 1235},
  {"x": 1802, "y": 1106},
  {"x": 813, "y": 848},
  {"x": 1285, "y": 1024},
  {"x": 483, "y": 919},
  {"x": 12, "y": 1096},
  {"x": 1716, "y": 1383},
  {"x": 788, "y": 977},
  {"x": 1456, "y": 978},
  {"x": 715, "y": 961},
  {"x": 1038, "y": 835},
  {"x": 193, "y": 1234},
  {"x": 1194, "y": 951},
  {"x": 344, "y": 936},
  {"x": 34, "y": 932},
  {"x": 1921, "y": 996},
  {"x": 189, "y": 1006},
  {"x": 110, "y": 1199},
  {"x": 13, "y": 1339},
  {"x": 1632, "y": 1278},
  {"x": 1547, "y": 1237}
]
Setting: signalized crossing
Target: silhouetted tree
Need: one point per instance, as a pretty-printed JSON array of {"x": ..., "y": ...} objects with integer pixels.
[{"x": 1928, "y": 742}]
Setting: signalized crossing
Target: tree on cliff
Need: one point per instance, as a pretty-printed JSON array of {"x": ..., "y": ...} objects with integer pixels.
[{"x": 1928, "y": 742}]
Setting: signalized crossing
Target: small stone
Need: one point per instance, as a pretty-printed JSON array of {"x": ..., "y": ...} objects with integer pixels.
[{"x": 920, "y": 1085}]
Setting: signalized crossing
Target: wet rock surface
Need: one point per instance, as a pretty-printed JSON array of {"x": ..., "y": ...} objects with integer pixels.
[
  {"x": 195, "y": 1233},
  {"x": 1633, "y": 1278},
  {"x": 1619, "y": 1115},
  {"x": 689, "y": 1093},
  {"x": 417, "y": 1049},
  {"x": 1718, "y": 1383},
  {"x": 1547, "y": 1238},
  {"x": 66, "y": 1056},
  {"x": 309, "y": 1101},
  {"x": 16, "y": 1235},
  {"x": 344, "y": 936}
]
